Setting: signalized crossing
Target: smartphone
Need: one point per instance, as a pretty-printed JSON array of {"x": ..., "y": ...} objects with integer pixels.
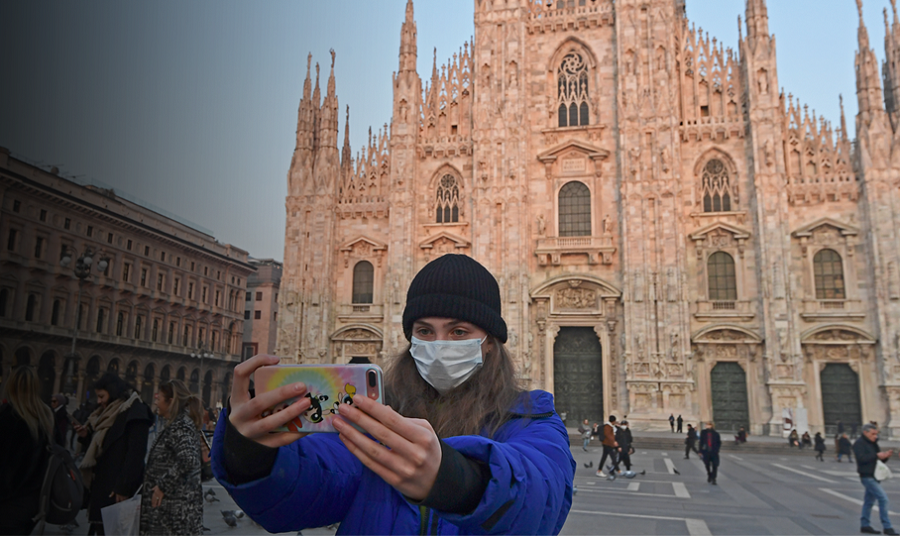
[{"x": 328, "y": 386}]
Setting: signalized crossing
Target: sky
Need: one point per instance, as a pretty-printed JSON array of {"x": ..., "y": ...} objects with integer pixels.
[{"x": 191, "y": 107}]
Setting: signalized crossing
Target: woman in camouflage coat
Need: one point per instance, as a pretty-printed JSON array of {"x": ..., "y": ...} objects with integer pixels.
[{"x": 172, "y": 501}]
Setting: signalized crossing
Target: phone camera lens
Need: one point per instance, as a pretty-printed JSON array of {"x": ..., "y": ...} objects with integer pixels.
[{"x": 373, "y": 378}]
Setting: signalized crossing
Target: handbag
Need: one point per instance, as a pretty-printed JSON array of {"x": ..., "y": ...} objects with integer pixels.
[
  {"x": 123, "y": 518},
  {"x": 882, "y": 471}
]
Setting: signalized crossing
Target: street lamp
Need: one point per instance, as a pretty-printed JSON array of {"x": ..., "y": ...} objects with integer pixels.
[
  {"x": 201, "y": 353},
  {"x": 82, "y": 271}
]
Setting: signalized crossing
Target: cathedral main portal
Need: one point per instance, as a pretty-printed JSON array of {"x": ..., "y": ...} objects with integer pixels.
[
  {"x": 729, "y": 397},
  {"x": 578, "y": 375}
]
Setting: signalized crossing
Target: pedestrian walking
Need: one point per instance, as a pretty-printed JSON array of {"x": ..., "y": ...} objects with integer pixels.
[
  {"x": 172, "y": 500},
  {"x": 820, "y": 446},
  {"x": 61, "y": 422},
  {"x": 595, "y": 430},
  {"x": 679, "y": 421},
  {"x": 867, "y": 457},
  {"x": 458, "y": 431},
  {"x": 690, "y": 442},
  {"x": 585, "y": 430},
  {"x": 610, "y": 446},
  {"x": 710, "y": 443},
  {"x": 845, "y": 448},
  {"x": 27, "y": 425},
  {"x": 114, "y": 442},
  {"x": 625, "y": 448},
  {"x": 672, "y": 422}
]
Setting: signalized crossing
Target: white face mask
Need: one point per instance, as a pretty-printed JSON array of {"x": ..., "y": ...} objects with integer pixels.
[{"x": 447, "y": 364}]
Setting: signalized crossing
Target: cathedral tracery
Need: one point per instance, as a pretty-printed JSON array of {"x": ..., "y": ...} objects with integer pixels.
[
  {"x": 446, "y": 202},
  {"x": 716, "y": 187},
  {"x": 572, "y": 91}
]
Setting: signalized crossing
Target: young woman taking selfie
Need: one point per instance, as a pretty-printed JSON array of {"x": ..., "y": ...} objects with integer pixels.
[{"x": 459, "y": 447}]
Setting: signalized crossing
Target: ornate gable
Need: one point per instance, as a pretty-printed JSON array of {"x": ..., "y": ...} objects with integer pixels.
[
  {"x": 807, "y": 230},
  {"x": 443, "y": 243},
  {"x": 573, "y": 156},
  {"x": 364, "y": 248},
  {"x": 721, "y": 228}
]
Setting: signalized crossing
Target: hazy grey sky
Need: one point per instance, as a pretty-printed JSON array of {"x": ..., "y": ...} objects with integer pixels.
[{"x": 192, "y": 106}]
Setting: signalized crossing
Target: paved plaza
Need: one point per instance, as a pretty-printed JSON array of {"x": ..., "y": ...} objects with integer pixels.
[{"x": 756, "y": 494}]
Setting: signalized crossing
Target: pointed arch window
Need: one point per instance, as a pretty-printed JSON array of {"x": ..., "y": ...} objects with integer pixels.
[
  {"x": 717, "y": 188},
  {"x": 572, "y": 91},
  {"x": 446, "y": 204},
  {"x": 363, "y": 280},
  {"x": 574, "y": 210},
  {"x": 828, "y": 269},
  {"x": 722, "y": 281}
]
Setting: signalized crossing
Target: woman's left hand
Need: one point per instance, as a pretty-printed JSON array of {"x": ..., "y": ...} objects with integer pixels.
[
  {"x": 409, "y": 455},
  {"x": 157, "y": 497}
]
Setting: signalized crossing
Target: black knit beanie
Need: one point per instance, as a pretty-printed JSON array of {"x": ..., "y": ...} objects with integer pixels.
[{"x": 455, "y": 286}]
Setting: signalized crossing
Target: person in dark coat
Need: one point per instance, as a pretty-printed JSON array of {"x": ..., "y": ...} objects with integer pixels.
[
  {"x": 741, "y": 436},
  {"x": 867, "y": 457},
  {"x": 80, "y": 416},
  {"x": 690, "y": 442},
  {"x": 114, "y": 441},
  {"x": 844, "y": 448},
  {"x": 27, "y": 425},
  {"x": 679, "y": 421},
  {"x": 60, "y": 418},
  {"x": 672, "y": 422},
  {"x": 805, "y": 441},
  {"x": 624, "y": 439},
  {"x": 820, "y": 446},
  {"x": 710, "y": 443}
]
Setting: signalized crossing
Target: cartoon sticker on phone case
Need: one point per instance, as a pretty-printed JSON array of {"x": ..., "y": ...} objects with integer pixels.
[{"x": 344, "y": 398}]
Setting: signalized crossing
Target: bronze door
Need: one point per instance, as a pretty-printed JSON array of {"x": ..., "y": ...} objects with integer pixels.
[
  {"x": 578, "y": 376},
  {"x": 729, "y": 397},
  {"x": 840, "y": 397}
]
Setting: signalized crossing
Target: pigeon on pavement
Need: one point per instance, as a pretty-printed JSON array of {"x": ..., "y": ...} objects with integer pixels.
[
  {"x": 210, "y": 496},
  {"x": 230, "y": 520}
]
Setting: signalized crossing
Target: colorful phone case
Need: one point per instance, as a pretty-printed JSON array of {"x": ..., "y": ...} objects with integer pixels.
[{"x": 328, "y": 386}]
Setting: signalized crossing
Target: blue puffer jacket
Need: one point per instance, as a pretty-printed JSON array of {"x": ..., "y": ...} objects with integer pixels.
[{"x": 316, "y": 481}]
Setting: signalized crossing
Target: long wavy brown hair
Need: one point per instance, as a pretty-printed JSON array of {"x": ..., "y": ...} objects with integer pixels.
[{"x": 480, "y": 405}]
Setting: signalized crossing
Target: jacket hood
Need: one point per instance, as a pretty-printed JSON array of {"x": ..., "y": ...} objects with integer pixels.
[{"x": 533, "y": 403}]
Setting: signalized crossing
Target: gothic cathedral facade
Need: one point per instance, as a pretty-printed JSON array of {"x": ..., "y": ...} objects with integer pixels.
[{"x": 671, "y": 234}]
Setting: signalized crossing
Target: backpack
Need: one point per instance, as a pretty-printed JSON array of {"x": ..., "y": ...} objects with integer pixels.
[{"x": 63, "y": 490}]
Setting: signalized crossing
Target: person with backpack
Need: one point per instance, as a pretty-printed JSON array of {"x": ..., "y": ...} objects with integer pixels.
[
  {"x": 114, "y": 440},
  {"x": 27, "y": 425}
]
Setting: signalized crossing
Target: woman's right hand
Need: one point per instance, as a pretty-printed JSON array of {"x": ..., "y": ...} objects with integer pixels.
[{"x": 246, "y": 413}]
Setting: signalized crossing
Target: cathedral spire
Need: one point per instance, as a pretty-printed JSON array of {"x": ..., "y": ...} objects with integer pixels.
[
  {"x": 843, "y": 119},
  {"x": 307, "y": 83},
  {"x": 757, "y": 20},
  {"x": 408, "y": 46},
  {"x": 317, "y": 95},
  {"x": 868, "y": 82},
  {"x": 346, "y": 155},
  {"x": 331, "y": 78}
]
